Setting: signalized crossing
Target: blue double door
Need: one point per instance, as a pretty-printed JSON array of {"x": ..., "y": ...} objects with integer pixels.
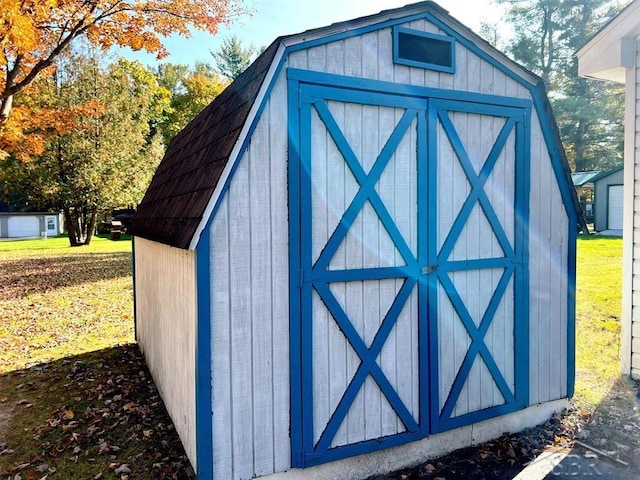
[{"x": 408, "y": 253}]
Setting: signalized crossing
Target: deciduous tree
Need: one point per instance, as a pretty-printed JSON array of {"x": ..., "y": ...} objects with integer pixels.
[
  {"x": 33, "y": 33},
  {"x": 108, "y": 158},
  {"x": 191, "y": 89}
]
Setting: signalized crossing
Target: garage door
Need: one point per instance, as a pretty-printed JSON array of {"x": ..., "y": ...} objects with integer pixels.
[
  {"x": 614, "y": 214},
  {"x": 23, "y": 226}
]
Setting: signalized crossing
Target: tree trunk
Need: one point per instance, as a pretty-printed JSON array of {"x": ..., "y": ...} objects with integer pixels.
[
  {"x": 93, "y": 215},
  {"x": 80, "y": 222},
  {"x": 5, "y": 109},
  {"x": 580, "y": 147},
  {"x": 72, "y": 227}
]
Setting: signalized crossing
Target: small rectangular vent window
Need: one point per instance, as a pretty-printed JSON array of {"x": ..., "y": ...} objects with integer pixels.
[{"x": 423, "y": 50}]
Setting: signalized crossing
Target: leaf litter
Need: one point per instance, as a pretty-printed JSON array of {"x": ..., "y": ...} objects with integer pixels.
[
  {"x": 608, "y": 433},
  {"x": 101, "y": 410}
]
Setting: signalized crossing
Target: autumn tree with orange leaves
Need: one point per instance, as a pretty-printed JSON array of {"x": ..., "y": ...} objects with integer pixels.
[{"x": 33, "y": 33}]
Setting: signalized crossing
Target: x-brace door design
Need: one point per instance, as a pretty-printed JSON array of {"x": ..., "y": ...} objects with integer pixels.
[
  {"x": 478, "y": 300},
  {"x": 400, "y": 313}
]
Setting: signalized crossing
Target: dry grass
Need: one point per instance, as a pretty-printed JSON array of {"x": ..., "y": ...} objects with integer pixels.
[{"x": 57, "y": 301}]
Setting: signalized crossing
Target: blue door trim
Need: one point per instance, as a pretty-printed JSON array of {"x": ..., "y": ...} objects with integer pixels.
[
  {"x": 295, "y": 278},
  {"x": 367, "y": 187},
  {"x": 521, "y": 273},
  {"x": 425, "y": 270},
  {"x": 514, "y": 264},
  {"x": 477, "y": 185},
  {"x": 477, "y": 347},
  {"x": 364, "y": 90},
  {"x": 368, "y": 363}
]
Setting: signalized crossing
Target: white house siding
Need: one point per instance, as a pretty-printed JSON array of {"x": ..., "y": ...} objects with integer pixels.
[
  {"x": 165, "y": 329},
  {"x": 250, "y": 283},
  {"x": 633, "y": 153}
]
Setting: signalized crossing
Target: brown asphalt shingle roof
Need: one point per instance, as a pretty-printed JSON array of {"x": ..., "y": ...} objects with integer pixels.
[{"x": 174, "y": 204}]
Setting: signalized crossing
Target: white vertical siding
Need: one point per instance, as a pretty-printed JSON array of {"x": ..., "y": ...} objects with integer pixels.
[
  {"x": 165, "y": 326},
  {"x": 250, "y": 307},
  {"x": 548, "y": 248},
  {"x": 371, "y": 56},
  {"x": 631, "y": 293}
]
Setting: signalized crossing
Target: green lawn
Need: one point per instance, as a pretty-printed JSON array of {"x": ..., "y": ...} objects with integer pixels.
[
  {"x": 598, "y": 311},
  {"x": 65, "y": 301},
  {"x": 60, "y": 244}
]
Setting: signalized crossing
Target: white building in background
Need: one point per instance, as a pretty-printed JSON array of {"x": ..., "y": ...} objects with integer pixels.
[{"x": 614, "y": 54}]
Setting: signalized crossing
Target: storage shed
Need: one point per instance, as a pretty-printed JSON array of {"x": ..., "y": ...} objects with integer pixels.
[
  {"x": 609, "y": 200},
  {"x": 361, "y": 255},
  {"x": 583, "y": 182},
  {"x": 613, "y": 54}
]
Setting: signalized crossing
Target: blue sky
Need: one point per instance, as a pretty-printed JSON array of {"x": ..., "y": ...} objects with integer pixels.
[{"x": 272, "y": 18}]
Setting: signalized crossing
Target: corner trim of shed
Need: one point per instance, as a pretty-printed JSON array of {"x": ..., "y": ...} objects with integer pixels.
[{"x": 204, "y": 433}]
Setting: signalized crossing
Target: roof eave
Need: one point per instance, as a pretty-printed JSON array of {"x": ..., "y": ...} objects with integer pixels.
[
  {"x": 237, "y": 148},
  {"x": 611, "y": 51}
]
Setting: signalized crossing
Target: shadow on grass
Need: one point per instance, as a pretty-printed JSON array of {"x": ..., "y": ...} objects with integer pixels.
[
  {"x": 88, "y": 416},
  {"x": 21, "y": 277}
]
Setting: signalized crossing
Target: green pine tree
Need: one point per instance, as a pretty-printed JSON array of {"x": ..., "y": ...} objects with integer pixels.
[{"x": 547, "y": 34}]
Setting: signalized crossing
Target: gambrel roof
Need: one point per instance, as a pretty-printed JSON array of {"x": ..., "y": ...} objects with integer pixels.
[
  {"x": 199, "y": 160},
  {"x": 181, "y": 188}
]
